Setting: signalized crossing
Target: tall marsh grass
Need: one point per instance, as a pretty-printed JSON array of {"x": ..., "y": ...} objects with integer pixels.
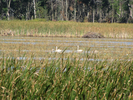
[
  {"x": 65, "y": 79},
  {"x": 68, "y": 29}
]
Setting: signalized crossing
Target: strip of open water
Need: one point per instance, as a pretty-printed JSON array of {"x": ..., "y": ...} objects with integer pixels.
[{"x": 113, "y": 41}]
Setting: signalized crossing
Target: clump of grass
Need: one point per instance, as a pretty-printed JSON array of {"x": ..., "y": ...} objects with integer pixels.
[{"x": 65, "y": 79}]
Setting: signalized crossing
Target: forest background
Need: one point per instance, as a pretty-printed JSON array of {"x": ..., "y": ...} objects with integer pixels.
[{"x": 111, "y": 11}]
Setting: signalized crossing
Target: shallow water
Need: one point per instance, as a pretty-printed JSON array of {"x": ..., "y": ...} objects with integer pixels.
[
  {"x": 36, "y": 45},
  {"x": 33, "y": 40}
]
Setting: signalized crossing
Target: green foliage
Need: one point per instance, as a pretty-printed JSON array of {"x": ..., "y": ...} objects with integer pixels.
[
  {"x": 24, "y": 9},
  {"x": 130, "y": 20},
  {"x": 41, "y": 12},
  {"x": 4, "y": 9},
  {"x": 105, "y": 4},
  {"x": 122, "y": 20}
]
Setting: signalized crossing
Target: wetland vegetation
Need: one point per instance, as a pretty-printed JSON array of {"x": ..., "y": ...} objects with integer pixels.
[
  {"x": 29, "y": 69},
  {"x": 65, "y": 79},
  {"x": 64, "y": 29}
]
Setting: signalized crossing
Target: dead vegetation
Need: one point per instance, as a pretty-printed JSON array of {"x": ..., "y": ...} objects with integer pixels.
[
  {"x": 92, "y": 35},
  {"x": 7, "y": 33}
]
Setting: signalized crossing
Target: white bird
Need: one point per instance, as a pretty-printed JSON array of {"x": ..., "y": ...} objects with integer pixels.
[
  {"x": 58, "y": 50},
  {"x": 95, "y": 51},
  {"x": 79, "y": 50}
]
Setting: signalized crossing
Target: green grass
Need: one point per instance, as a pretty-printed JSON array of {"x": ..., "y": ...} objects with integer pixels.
[{"x": 65, "y": 79}]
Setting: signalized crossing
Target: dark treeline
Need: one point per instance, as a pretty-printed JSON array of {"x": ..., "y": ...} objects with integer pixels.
[{"x": 68, "y": 10}]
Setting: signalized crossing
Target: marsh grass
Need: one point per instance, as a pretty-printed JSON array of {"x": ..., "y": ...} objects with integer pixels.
[
  {"x": 65, "y": 29},
  {"x": 65, "y": 79}
]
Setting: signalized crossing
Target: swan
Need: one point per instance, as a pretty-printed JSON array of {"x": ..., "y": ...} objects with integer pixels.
[
  {"x": 79, "y": 50},
  {"x": 95, "y": 51},
  {"x": 57, "y": 50}
]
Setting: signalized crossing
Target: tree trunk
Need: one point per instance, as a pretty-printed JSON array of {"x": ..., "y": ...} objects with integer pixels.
[
  {"x": 78, "y": 12},
  {"x": 120, "y": 9},
  {"x": 52, "y": 10},
  {"x": 88, "y": 13},
  {"x": 66, "y": 10},
  {"x": 83, "y": 16},
  {"x": 8, "y": 2},
  {"x": 1, "y": 10},
  {"x": 75, "y": 10},
  {"x": 131, "y": 11},
  {"x": 112, "y": 14},
  {"x": 93, "y": 15},
  {"x": 28, "y": 11},
  {"x": 34, "y": 9},
  {"x": 100, "y": 14},
  {"x": 56, "y": 9},
  {"x": 62, "y": 11}
]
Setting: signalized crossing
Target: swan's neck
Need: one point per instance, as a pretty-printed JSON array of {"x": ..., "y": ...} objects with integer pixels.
[
  {"x": 56, "y": 47},
  {"x": 77, "y": 47}
]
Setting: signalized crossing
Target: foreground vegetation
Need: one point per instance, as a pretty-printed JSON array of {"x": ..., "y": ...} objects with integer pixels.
[
  {"x": 65, "y": 29},
  {"x": 65, "y": 79}
]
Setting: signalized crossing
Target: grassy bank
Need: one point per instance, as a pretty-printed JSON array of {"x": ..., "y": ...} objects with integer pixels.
[
  {"x": 66, "y": 29},
  {"x": 65, "y": 79}
]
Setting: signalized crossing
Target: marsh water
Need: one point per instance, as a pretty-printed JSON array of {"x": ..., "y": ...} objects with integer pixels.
[{"x": 42, "y": 46}]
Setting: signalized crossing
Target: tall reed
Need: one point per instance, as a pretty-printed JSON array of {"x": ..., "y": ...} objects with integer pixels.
[{"x": 65, "y": 79}]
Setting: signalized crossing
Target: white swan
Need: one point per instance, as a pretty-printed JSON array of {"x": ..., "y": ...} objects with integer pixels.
[
  {"x": 95, "y": 51},
  {"x": 79, "y": 50},
  {"x": 58, "y": 50}
]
